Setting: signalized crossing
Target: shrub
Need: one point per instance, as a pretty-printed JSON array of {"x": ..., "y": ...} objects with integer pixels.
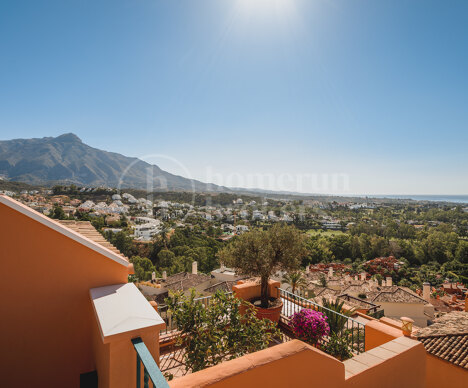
[
  {"x": 309, "y": 325},
  {"x": 337, "y": 346},
  {"x": 218, "y": 332}
]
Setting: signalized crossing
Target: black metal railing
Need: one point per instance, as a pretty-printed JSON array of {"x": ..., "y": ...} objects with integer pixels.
[
  {"x": 352, "y": 331},
  {"x": 151, "y": 372}
]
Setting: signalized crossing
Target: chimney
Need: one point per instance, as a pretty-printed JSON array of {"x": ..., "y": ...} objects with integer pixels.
[
  {"x": 330, "y": 272},
  {"x": 356, "y": 277},
  {"x": 153, "y": 276},
  {"x": 164, "y": 275},
  {"x": 427, "y": 291},
  {"x": 363, "y": 276},
  {"x": 222, "y": 266},
  {"x": 307, "y": 269},
  {"x": 389, "y": 281},
  {"x": 194, "y": 268}
]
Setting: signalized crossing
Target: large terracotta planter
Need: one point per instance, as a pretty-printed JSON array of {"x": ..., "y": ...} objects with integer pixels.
[
  {"x": 251, "y": 290},
  {"x": 272, "y": 313}
]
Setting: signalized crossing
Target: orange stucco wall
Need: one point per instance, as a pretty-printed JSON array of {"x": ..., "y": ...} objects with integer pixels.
[
  {"x": 378, "y": 333},
  {"x": 249, "y": 290},
  {"x": 116, "y": 360},
  {"x": 46, "y": 315},
  {"x": 286, "y": 365},
  {"x": 407, "y": 369},
  {"x": 296, "y": 364},
  {"x": 440, "y": 373}
]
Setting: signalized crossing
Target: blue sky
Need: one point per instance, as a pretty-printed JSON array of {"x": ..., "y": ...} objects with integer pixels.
[{"x": 373, "y": 91}]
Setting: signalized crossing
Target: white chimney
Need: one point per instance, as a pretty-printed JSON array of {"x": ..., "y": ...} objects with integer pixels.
[
  {"x": 307, "y": 269},
  {"x": 153, "y": 276},
  {"x": 222, "y": 267},
  {"x": 427, "y": 291},
  {"x": 389, "y": 281},
  {"x": 356, "y": 277},
  {"x": 330, "y": 272},
  {"x": 194, "y": 268},
  {"x": 164, "y": 275},
  {"x": 363, "y": 276}
]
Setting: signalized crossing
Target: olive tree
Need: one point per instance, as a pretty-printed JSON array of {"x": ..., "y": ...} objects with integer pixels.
[{"x": 261, "y": 253}]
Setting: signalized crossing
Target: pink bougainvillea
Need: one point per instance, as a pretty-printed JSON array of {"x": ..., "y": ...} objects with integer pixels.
[{"x": 309, "y": 325}]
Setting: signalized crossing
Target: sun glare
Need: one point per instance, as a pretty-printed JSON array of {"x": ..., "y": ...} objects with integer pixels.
[{"x": 278, "y": 7}]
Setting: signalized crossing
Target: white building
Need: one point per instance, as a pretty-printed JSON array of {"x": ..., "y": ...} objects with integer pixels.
[
  {"x": 146, "y": 232},
  {"x": 257, "y": 215},
  {"x": 241, "y": 229},
  {"x": 88, "y": 205}
]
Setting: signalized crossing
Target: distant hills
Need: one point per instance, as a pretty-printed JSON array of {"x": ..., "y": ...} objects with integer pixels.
[{"x": 66, "y": 159}]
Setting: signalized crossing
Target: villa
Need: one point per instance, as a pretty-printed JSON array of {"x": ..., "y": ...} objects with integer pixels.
[{"x": 71, "y": 319}]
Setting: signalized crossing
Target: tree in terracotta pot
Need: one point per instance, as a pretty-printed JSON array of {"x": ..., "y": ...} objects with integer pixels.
[{"x": 260, "y": 253}]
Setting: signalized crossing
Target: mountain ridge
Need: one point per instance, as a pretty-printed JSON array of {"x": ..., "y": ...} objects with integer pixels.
[{"x": 66, "y": 159}]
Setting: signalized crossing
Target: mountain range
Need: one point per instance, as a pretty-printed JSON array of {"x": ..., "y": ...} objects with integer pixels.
[{"x": 66, "y": 159}]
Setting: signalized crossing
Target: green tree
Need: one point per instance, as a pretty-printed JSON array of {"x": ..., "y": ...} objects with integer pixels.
[
  {"x": 461, "y": 253},
  {"x": 58, "y": 213},
  {"x": 260, "y": 253},
  {"x": 143, "y": 267},
  {"x": 166, "y": 258},
  {"x": 295, "y": 279}
]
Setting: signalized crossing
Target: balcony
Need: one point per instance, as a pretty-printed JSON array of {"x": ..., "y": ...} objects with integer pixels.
[
  {"x": 379, "y": 349},
  {"x": 87, "y": 320}
]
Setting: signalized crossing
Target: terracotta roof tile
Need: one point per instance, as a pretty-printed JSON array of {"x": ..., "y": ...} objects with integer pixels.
[
  {"x": 398, "y": 295},
  {"x": 184, "y": 281},
  {"x": 85, "y": 228},
  {"x": 451, "y": 348},
  {"x": 447, "y": 338}
]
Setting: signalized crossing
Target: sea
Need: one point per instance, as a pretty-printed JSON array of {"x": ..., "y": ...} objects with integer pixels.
[{"x": 463, "y": 199}]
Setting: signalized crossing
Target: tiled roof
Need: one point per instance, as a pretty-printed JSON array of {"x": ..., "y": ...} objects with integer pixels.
[
  {"x": 327, "y": 293},
  {"x": 399, "y": 295},
  {"x": 85, "y": 228},
  {"x": 356, "y": 288},
  {"x": 356, "y": 302},
  {"x": 440, "y": 305},
  {"x": 447, "y": 338},
  {"x": 455, "y": 322},
  {"x": 451, "y": 348},
  {"x": 184, "y": 280},
  {"x": 225, "y": 286}
]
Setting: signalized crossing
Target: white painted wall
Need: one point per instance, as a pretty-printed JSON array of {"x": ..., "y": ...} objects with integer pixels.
[{"x": 414, "y": 311}]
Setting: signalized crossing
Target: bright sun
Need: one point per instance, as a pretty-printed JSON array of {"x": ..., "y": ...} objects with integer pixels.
[{"x": 260, "y": 6}]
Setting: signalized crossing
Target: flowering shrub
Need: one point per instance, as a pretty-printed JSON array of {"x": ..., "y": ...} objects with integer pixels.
[{"x": 309, "y": 325}]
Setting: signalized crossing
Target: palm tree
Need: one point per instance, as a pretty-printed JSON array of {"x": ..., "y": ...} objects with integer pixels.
[
  {"x": 336, "y": 315},
  {"x": 295, "y": 279}
]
